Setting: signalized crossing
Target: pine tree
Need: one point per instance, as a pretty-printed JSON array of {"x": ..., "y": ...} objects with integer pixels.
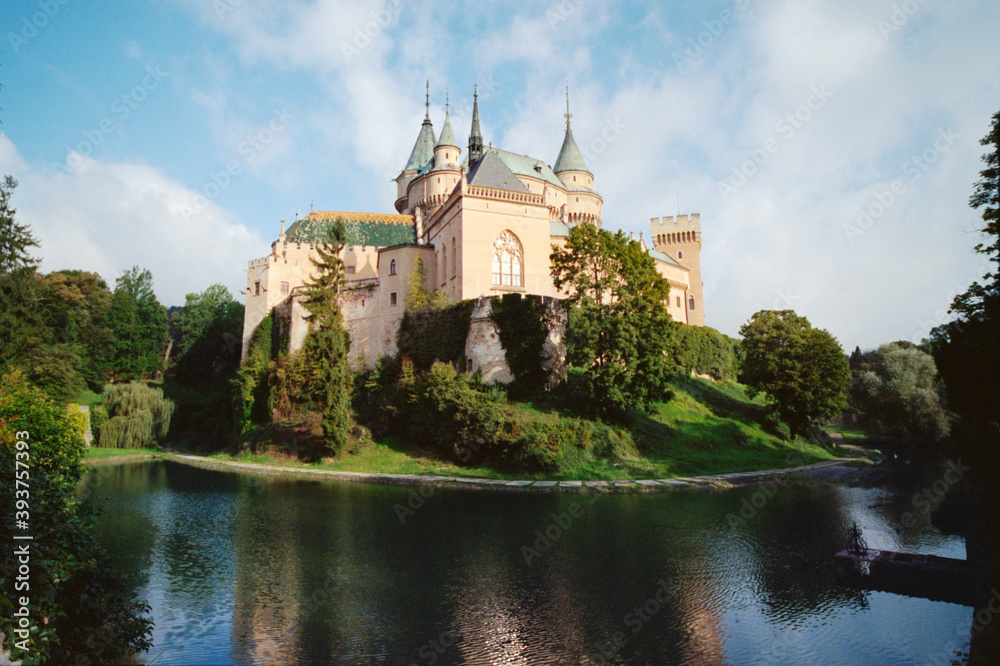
[{"x": 327, "y": 344}]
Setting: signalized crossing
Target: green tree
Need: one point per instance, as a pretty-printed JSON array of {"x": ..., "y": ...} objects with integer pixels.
[
  {"x": 209, "y": 345},
  {"x": 327, "y": 343},
  {"x": 15, "y": 238},
  {"x": 620, "y": 331},
  {"x": 75, "y": 306},
  {"x": 418, "y": 295},
  {"x": 898, "y": 394},
  {"x": 802, "y": 370},
  {"x": 967, "y": 350},
  {"x": 22, "y": 329},
  {"x": 81, "y": 610},
  {"x": 139, "y": 325}
]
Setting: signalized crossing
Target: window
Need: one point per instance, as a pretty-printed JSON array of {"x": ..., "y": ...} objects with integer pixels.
[
  {"x": 284, "y": 288},
  {"x": 392, "y": 271},
  {"x": 678, "y": 301},
  {"x": 691, "y": 303},
  {"x": 256, "y": 288},
  {"x": 350, "y": 270},
  {"x": 392, "y": 299},
  {"x": 454, "y": 262},
  {"x": 444, "y": 263},
  {"x": 507, "y": 260},
  {"x": 680, "y": 254}
]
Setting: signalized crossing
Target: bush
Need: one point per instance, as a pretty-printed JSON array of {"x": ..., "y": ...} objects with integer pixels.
[
  {"x": 705, "y": 351},
  {"x": 82, "y": 611},
  {"x": 98, "y": 417},
  {"x": 138, "y": 416}
]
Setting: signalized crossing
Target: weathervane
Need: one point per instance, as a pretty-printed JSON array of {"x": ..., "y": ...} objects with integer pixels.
[{"x": 568, "y": 114}]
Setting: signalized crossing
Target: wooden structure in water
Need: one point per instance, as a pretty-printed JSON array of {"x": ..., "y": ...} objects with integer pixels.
[{"x": 915, "y": 575}]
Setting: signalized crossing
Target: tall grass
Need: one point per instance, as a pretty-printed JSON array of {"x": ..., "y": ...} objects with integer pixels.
[{"x": 138, "y": 416}]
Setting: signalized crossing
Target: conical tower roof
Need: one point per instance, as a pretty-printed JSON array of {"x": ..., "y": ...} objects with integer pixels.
[
  {"x": 570, "y": 158},
  {"x": 475, "y": 135},
  {"x": 423, "y": 149},
  {"x": 447, "y": 134}
]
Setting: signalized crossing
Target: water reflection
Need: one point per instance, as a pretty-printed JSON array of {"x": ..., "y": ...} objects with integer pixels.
[{"x": 246, "y": 570}]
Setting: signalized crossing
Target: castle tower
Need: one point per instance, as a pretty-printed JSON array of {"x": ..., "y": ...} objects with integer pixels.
[
  {"x": 680, "y": 239},
  {"x": 422, "y": 153},
  {"x": 582, "y": 204},
  {"x": 446, "y": 170},
  {"x": 475, "y": 135}
]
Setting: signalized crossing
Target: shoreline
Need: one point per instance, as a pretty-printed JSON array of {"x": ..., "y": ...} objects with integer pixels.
[{"x": 845, "y": 471}]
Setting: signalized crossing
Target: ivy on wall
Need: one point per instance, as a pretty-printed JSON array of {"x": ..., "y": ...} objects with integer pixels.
[
  {"x": 520, "y": 321},
  {"x": 436, "y": 335}
]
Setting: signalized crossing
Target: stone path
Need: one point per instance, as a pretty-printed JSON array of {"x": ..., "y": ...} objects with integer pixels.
[{"x": 718, "y": 481}]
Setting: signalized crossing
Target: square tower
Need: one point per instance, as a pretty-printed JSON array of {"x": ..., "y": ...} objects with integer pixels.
[{"x": 680, "y": 239}]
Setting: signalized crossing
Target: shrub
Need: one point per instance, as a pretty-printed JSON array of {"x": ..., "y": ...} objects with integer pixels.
[
  {"x": 82, "y": 610},
  {"x": 138, "y": 416},
  {"x": 98, "y": 417}
]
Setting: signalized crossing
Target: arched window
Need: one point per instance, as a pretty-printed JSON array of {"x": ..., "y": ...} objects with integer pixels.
[
  {"x": 392, "y": 267},
  {"x": 680, "y": 254},
  {"x": 691, "y": 303},
  {"x": 454, "y": 260},
  {"x": 507, "y": 258},
  {"x": 444, "y": 263}
]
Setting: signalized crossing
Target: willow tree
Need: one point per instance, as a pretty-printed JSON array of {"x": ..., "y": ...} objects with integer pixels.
[{"x": 327, "y": 344}]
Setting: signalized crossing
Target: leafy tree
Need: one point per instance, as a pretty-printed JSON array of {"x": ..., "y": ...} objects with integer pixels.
[
  {"x": 327, "y": 343},
  {"x": 139, "y": 325},
  {"x": 82, "y": 611},
  {"x": 209, "y": 327},
  {"x": 967, "y": 350},
  {"x": 75, "y": 306},
  {"x": 418, "y": 295},
  {"x": 802, "y": 370},
  {"x": 899, "y": 397},
  {"x": 619, "y": 326}
]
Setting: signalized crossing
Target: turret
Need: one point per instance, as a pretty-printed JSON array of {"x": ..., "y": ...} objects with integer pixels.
[
  {"x": 680, "y": 238},
  {"x": 447, "y": 154},
  {"x": 570, "y": 166},
  {"x": 420, "y": 156}
]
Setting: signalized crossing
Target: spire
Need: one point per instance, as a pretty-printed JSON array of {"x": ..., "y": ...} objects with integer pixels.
[
  {"x": 570, "y": 158},
  {"x": 427, "y": 101},
  {"x": 423, "y": 149},
  {"x": 447, "y": 134},
  {"x": 475, "y": 136}
]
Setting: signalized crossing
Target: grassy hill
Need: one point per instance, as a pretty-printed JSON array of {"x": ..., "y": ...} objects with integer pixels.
[{"x": 704, "y": 428}]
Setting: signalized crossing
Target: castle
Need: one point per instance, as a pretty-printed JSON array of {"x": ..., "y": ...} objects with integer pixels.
[{"x": 477, "y": 225}]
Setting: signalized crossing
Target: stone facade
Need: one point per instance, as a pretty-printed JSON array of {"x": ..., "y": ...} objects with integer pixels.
[{"x": 481, "y": 225}]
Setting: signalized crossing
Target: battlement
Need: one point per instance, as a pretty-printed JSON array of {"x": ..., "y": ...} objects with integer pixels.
[{"x": 671, "y": 230}]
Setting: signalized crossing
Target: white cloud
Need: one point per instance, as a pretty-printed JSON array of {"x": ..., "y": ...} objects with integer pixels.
[{"x": 108, "y": 217}]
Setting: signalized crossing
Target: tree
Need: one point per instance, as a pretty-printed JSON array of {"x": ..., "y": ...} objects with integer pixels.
[
  {"x": 81, "y": 611},
  {"x": 209, "y": 325},
  {"x": 75, "y": 306},
  {"x": 418, "y": 295},
  {"x": 22, "y": 329},
  {"x": 139, "y": 325},
  {"x": 802, "y": 370},
  {"x": 967, "y": 350},
  {"x": 327, "y": 343},
  {"x": 15, "y": 238},
  {"x": 898, "y": 394},
  {"x": 619, "y": 326}
]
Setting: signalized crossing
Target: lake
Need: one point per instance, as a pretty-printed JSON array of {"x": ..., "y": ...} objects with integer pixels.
[{"x": 240, "y": 569}]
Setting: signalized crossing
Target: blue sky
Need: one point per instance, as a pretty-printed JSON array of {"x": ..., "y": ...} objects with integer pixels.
[{"x": 830, "y": 147}]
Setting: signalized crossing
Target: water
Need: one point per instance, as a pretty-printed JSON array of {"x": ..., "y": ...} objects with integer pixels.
[{"x": 245, "y": 570}]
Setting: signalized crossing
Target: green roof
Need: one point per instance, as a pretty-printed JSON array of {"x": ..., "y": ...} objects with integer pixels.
[
  {"x": 447, "y": 135},
  {"x": 558, "y": 229},
  {"x": 378, "y": 229},
  {"x": 570, "y": 158},
  {"x": 423, "y": 149},
  {"x": 656, "y": 254}
]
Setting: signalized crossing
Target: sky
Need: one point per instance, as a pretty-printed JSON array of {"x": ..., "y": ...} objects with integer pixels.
[{"x": 830, "y": 146}]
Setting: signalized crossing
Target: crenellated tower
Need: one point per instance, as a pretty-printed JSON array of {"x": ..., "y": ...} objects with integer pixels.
[{"x": 680, "y": 239}]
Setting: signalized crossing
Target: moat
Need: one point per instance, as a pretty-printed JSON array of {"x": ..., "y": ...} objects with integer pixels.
[{"x": 249, "y": 570}]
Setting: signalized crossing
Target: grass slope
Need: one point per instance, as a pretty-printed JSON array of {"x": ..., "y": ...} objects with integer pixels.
[{"x": 705, "y": 428}]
